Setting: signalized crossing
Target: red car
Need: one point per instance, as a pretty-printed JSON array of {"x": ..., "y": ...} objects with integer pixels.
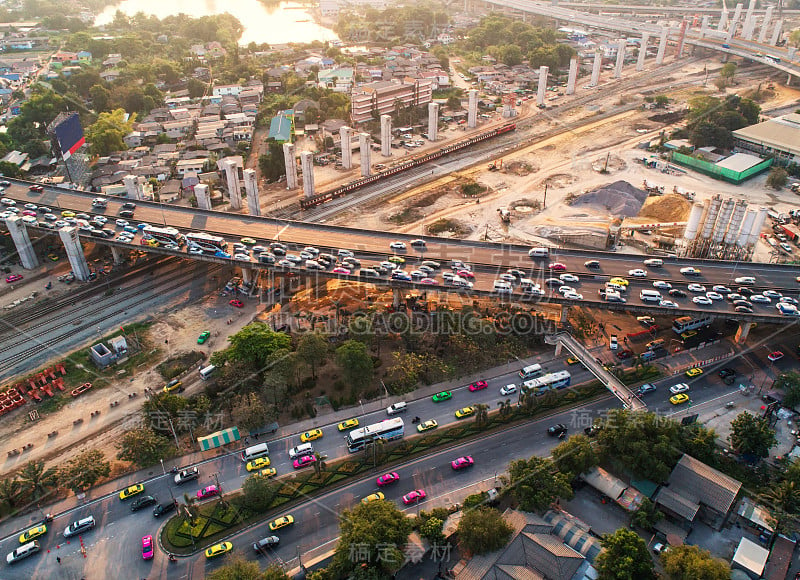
[
  {"x": 414, "y": 496},
  {"x": 147, "y": 547},
  {"x": 304, "y": 461},
  {"x": 462, "y": 462},
  {"x": 236, "y": 303},
  {"x": 477, "y": 386},
  {"x": 558, "y": 266},
  {"x": 36, "y": 188},
  {"x": 387, "y": 478},
  {"x": 465, "y": 274},
  {"x": 13, "y": 278},
  {"x": 773, "y": 356},
  {"x": 209, "y": 491}
]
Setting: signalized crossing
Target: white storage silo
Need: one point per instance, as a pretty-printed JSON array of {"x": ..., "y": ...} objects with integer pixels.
[
  {"x": 711, "y": 217},
  {"x": 747, "y": 225},
  {"x": 757, "y": 225},
  {"x": 723, "y": 220},
  {"x": 736, "y": 222},
  {"x": 690, "y": 233}
]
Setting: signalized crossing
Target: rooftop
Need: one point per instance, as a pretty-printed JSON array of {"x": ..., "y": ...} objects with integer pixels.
[{"x": 781, "y": 133}]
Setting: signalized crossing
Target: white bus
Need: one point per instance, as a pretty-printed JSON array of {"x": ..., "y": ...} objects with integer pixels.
[
  {"x": 163, "y": 235},
  {"x": 387, "y": 430},
  {"x": 684, "y": 323},
  {"x": 206, "y": 242},
  {"x": 550, "y": 381}
]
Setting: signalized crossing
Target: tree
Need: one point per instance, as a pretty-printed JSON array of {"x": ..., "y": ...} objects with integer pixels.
[
  {"x": 319, "y": 464},
  {"x": 536, "y": 483},
  {"x": 356, "y": 363},
  {"x": 258, "y": 492},
  {"x": 238, "y": 568},
  {"x": 144, "y": 447},
  {"x": 454, "y": 103},
  {"x": 378, "y": 530},
  {"x": 661, "y": 100},
  {"x": 574, "y": 456},
  {"x": 271, "y": 164},
  {"x": 506, "y": 410},
  {"x": 36, "y": 480},
  {"x": 481, "y": 415},
  {"x": 751, "y": 435},
  {"x": 248, "y": 411},
  {"x": 8, "y": 169},
  {"x": 728, "y": 71},
  {"x": 313, "y": 350},
  {"x": 777, "y": 178},
  {"x": 784, "y": 496},
  {"x": 105, "y": 134},
  {"x": 789, "y": 383},
  {"x": 84, "y": 471},
  {"x": 10, "y": 491},
  {"x": 431, "y": 530},
  {"x": 647, "y": 515},
  {"x": 256, "y": 342},
  {"x": 624, "y": 557},
  {"x": 694, "y": 563},
  {"x": 483, "y": 530}
]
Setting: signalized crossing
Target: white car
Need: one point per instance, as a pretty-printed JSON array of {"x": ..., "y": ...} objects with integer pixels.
[
  {"x": 714, "y": 296},
  {"x": 8, "y": 202},
  {"x": 668, "y": 304},
  {"x": 637, "y": 273},
  {"x": 661, "y": 285},
  {"x": 788, "y": 300},
  {"x": 398, "y": 245},
  {"x": 679, "y": 388},
  {"x": 772, "y": 294},
  {"x": 721, "y": 289},
  {"x": 244, "y": 257},
  {"x": 760, "y": 299},
  {"x": 195, "y": 251},
  {"x": 389, "y": 266},
  {"x": 690, "y": 271},
  {"x": 31, "y": 206},
  {"x": 745, "y": 280},
  {"x": 100, "y": 219},
  {"x": 508, "y": 278},
  {"x": 533, "y": 291},
  {"x": 121, "y": 223},
  {"x": 29, "y": 219},
  {"x": 573, "y": 295},
  {"x": 696, "y": 288},
  {"x": 569, "y": 278},
  {"x": 566, "y": 290},
  {"x": 508, "y": 390},
  {"x": 702, "y": 300}
]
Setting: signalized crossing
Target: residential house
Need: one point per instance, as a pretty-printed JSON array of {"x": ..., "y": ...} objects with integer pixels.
[
  {"x": 185, "y": 166},
  {"x": 178, "y": 129},
  {"x": 222, "y": 90},
  {"x": 339, "y": 80},
  {"x": 84, "y": 57},
  {"x": 112, "y": 60},
  {"x": 110, "y": 75},
  {"x": 281, "y": 127}
]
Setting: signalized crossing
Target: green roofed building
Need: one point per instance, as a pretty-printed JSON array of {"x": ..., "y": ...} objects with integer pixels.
[
  {"x": 281, "y": 128},
  {"x": 219, "y": 438}
]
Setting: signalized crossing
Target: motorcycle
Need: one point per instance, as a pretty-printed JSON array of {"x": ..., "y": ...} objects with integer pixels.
[
  {"x": 47, "y": 519},
  {"x": 49, "y": 285},
  {"x": 174, "y": 470},
  {"x": 415, "y": 420},
  {"x": 172, "y": 558}
]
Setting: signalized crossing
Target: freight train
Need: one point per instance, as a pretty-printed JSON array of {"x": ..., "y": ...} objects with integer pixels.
[{"x": 316, "y": 200}]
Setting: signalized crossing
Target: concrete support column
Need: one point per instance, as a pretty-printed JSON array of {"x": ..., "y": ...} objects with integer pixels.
[
  {"x": 307, "y": 165},
  {"x": 251, "y": 188},
  {"x": 290, "y": 163},
  {"x": 704, "y": 26},
  {"x": 564, "y": 313},
  {"x": 202, "y": 195},
  {"x": 776, "y": 32},
  {"x": 472, "y": 109},
  {"x": 364, "y": 144},
  {"x": 133, "y": 187},
  {"x": 743, "y": 331},
  {"x": 247, "y": 275},
  {"x": 559, "y": 348},
  {"x": 77, "y": 259},
  {"x": 22, "y": 242},
  {"x": 117, "y": 255},
  {"x": 397, "y": 297},
  {"x": 642, "y": 52},
  {"x": 232, "y": 179},
  {"x": 723, "y": 20},
  {"x": 762, "y": 35},
  {"x": 573, "y": 76},
  {"x": 433, "y": 121},
  {"x": 791, "y": 53},
  {"x": 386, "y": 135},
  {"x": 620, "y": 58},
  {"x": 541, "y": 93},
  {"x": 662, "y": 47},
  {"x": 598, "y": 61},
  {"x": 737, "y": 14},
  {"x": 347, "y": 149},
  {"x": 749, "y": 21}
]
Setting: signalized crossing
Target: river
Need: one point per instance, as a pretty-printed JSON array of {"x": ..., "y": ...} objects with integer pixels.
[{"x": 273, "y": 24}]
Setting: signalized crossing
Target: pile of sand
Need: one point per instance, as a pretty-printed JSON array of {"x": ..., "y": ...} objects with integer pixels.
[
  {"x": 667, "y": 208},
  {"x": 618, "y": 199}
]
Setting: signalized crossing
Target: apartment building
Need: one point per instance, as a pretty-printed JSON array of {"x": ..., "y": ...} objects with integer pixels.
[{"x": 380, "y": 98}]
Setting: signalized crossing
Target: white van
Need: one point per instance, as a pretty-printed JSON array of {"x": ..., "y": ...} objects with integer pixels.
[
  {"x": 539, "y": 253},
  {"x": 23, "y": 552},
  {"x": 530, "y": 372},
  {"x": 654, "y": 262},
  {"x": 300, "y": 450},
  {"x": 616, "y": 287},
  {"x": 527, "y": 283},
  {"x": 206, "y": 372},
  {"x": 650, "y": 296},
  {"x": 396, "y": 408},
  {"x": 254, "y": 452},
  {"x": 502, "y": 286}
]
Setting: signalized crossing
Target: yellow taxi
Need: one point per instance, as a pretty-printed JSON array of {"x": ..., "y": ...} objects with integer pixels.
[
  {"x": 349, "y": 424},
  {"x": 679, "y": 399},
  {"x": 465, "y": 412},
  {"x": 374, "y": 497},
  {"x": 620, "y": 281},
  {"x": 219, "y": 549},
  {"x": 67, "y": 213},
  {"x": 427, "y": 425},
  {"x": 32, "y": 534},
  {"x": 257, "y": 463},
  {"x": 281, "y": 522},
  {"x": 572, "y": 361},
  {"x": 268, "y": 472},
  {"x": 695, "y": 372},
  {"x": 131, "y": 491},
  {"x": 311, "y": 435}
]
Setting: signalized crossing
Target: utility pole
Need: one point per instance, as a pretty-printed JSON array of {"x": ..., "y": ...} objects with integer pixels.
[{"x": 544, "y": 200}]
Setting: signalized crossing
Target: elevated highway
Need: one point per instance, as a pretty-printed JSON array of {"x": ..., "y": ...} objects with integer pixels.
[{"x": 488, "y": 260}]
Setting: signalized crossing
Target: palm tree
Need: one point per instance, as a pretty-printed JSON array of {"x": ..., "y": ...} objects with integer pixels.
[
  {"x": 505, "y": 408},
  {"x": 10, "y": 488},
  {"x": 784, "y": 496},
  {"x": 319, "y": 464},
  {"x": 36, "y": 480},
  {"x": 481, "y": 415}
]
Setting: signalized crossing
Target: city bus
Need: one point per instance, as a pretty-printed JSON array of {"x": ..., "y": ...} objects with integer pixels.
[
  {"x": 550, "y": 381},
  {"x": 206, "y": 242},
  {"x": 684, "y": 323},
  {"x": 387, "y": 430},
  {"x": 163, "y": 235}
]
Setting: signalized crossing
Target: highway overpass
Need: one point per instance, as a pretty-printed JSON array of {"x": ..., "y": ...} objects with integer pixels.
[{"x": 488, "y": 260}]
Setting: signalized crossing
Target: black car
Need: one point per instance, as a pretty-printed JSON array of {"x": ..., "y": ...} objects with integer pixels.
[
  {"x": 644, "y": 389},
  {"x": 268, "y": 542},
  {"x": 516, "y": 272},
  {"x": 163, "y": 508},
  {"x": 745, "y": 291},
  {"x": 677, "y": 293},
  {"x": 743, "y": 310},
  {"x": 126, "y": 213},
  {"x": 593, "y": 264},
  {"x": 593, "y": 430},
  {"x": 128, "y": 205},
  {"x": 727, "y": 375},
  {"x": 143, "y": 502},
  {"x": 745, "y": 303},
  {"x": 556, "y": 430}
]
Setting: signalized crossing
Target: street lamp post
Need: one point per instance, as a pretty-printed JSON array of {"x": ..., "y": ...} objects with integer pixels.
[{"x": 164, "y": 469}]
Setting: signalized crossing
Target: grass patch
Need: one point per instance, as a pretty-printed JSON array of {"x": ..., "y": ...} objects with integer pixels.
[
  {"x": 407, "y": 216},
  {"x": 443, "y": 225},
  {"x": 177, "y": 365}
]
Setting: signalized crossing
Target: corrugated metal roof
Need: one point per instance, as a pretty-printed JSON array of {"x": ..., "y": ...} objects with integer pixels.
[
  {"x": 677, "y": 503},
  {"x": 782, "y": 133},
  {"x": 704, "y": 484}
]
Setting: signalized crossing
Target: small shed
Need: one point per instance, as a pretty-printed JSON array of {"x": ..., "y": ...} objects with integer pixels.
[{"x": 750, "y": 558}]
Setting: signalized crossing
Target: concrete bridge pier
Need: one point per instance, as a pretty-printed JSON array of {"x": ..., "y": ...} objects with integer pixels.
[
  {"x": 247, "y": 275},
  {"x": 743, "y": 331},
  {"x": 77, "y": 259},
  {"x": 397, "y": 298},
  {"x": 22, "y": 242},
  {"x": 558, "y": 349},
  {"x": 117, "y": 255},
  {"x": 564, "y": 313}
]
